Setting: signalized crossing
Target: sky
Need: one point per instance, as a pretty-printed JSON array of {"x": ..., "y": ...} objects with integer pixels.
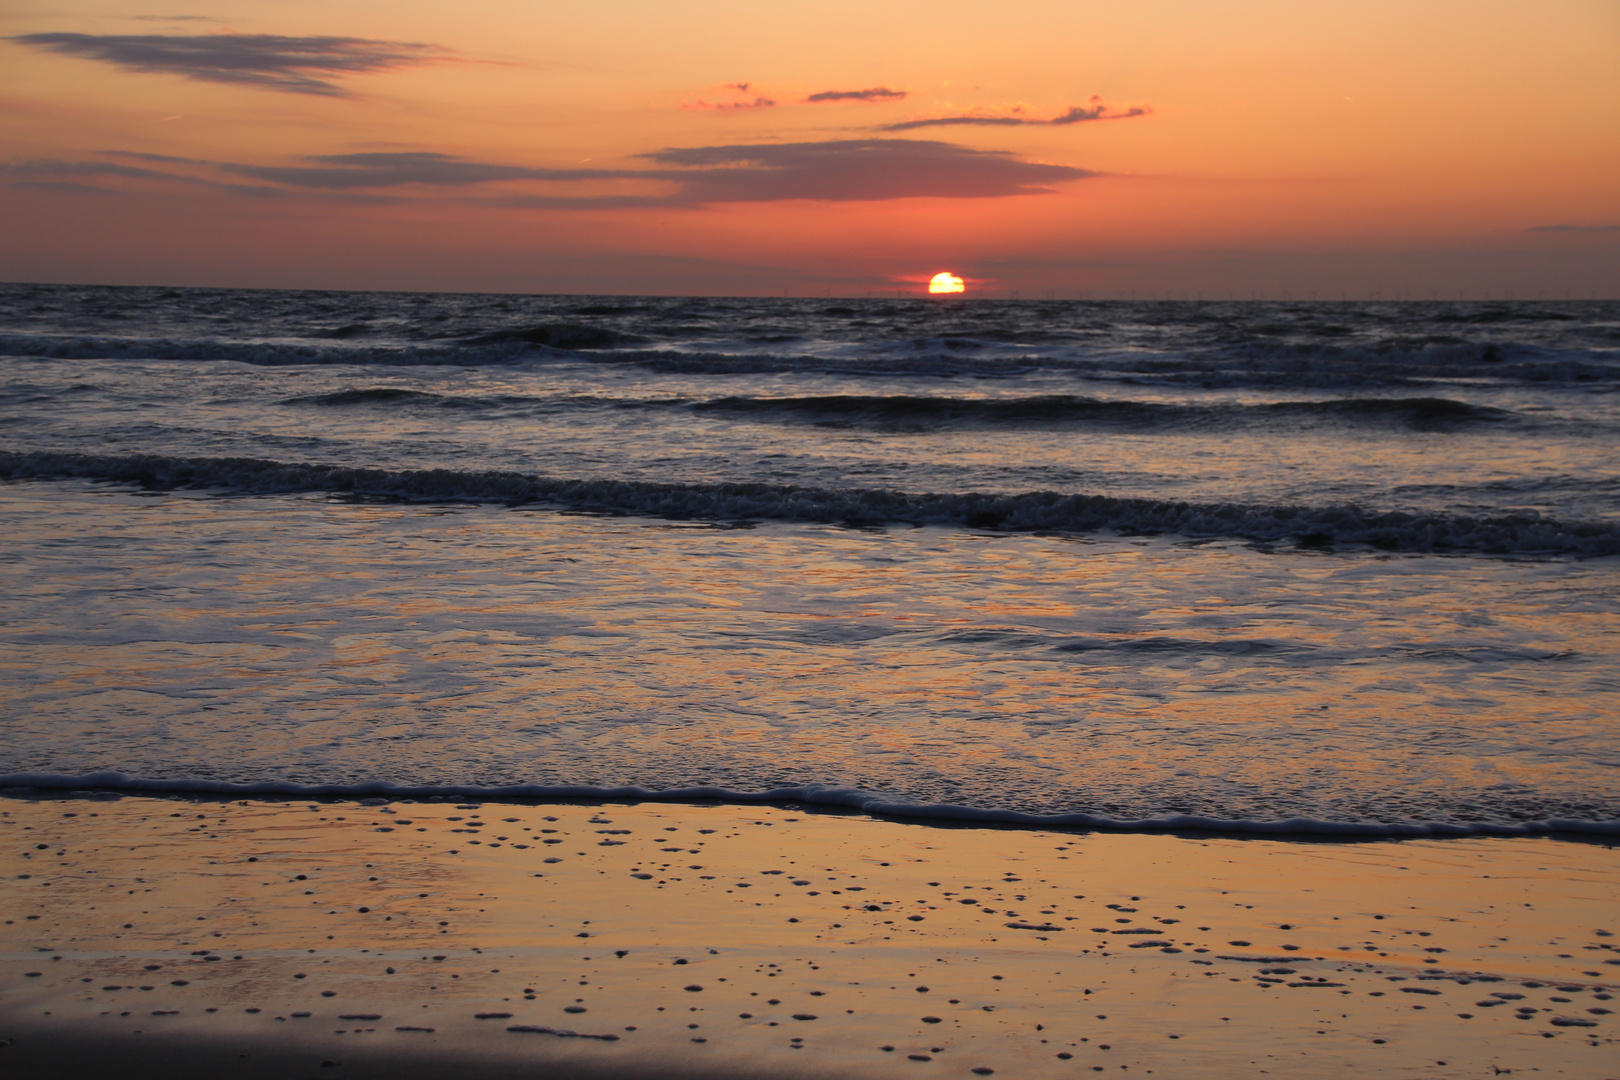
[{"x": 1037, "y": 148}]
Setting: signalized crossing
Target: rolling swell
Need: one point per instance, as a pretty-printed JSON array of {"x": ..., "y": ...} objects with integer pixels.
[
  {"x": 1415, "y": 364},
  {"x": 1392, "y": 362},
  {"x": 351, "y": 396},
  {"x": 365, "y": 395},
  {"x": 267, "y": 353},
  {"x": 1317, "y": 527},
  {"x": 558, "y": 335},
  {"x": 927, "y": 411},
  {"x": 1067, "y": 410}
]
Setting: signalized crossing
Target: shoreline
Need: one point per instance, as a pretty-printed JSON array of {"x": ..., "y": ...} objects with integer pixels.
[
  {"x": 272, "y": 936},
  {"x": 812, "y": 798}
]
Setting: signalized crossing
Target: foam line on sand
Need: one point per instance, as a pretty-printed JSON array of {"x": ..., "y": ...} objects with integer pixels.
[{"x": 873, "y": 802}]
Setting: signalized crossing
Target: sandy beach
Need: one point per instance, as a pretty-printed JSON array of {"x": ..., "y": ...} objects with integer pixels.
[{"x": 183, "y": 936}]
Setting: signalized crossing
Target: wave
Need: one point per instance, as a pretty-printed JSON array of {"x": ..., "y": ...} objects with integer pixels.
[
  {"x": 1391, "y": 363},
  {"x": 365, "y": 395},
  {"x": 915, "y": 411},
  {"x": 1177, "y": 646},
  {"x": 878, "y": 804},
  {"x": 1045, "y": 511},
  {"x": 504, "y": 347},
  {"x": 1495, "y": 315},
  {"x": 1277, "y": 652},
  {"x": 266, "y": 353},
  {"x": 558, "y": 336},
  {"x": 1264, "y": 365},
  {"x": 405, "y": 397},
  {"x": 1064, "y": 410},
  {"x": 1410, "y": 363}
]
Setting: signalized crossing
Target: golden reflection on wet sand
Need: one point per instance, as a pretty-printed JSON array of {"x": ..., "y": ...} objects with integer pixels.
[{"x": 736, "y": 940}]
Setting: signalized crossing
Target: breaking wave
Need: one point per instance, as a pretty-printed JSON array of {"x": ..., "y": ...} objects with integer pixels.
[
  {"x": 1315, "y": 527},
  {"x": 873, "y": 802}
]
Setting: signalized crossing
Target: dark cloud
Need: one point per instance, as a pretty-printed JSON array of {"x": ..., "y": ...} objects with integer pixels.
[
  {"x": 1575, "y": 228},
  {"x": 587, "y": 202},
  {"x": 45, "y": 173},
  {"x": 27, "y": 173},
  {"x": 758, "y": 101},
  {"x": 876, "y": 93},
  {"x": 160, "y": 158},
  {"x": 1077, "y": 114},
  {"x": 299, "y": 65},
  {"x": 840, "y": 171},
  {"x": 853, "y": 170},
  {"x": 336, "y": 171},
  {"x": 329, "y": 172},
  {"x": 50, "y": 167},
  {"x": 63, "y": 185}
]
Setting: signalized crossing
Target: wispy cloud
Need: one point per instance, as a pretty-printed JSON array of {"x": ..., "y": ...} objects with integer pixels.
[
  {"x": 52, "y": 167},
  {"x": 45, "y": 173},
  {"x": 1079, "y": 114},
  {"x": 375, "y": 170},
  {"x": 729, "y": 106},
  {"x": 850, "y": 170},
  {"x": 324, "y": 172},
  {"x": 1095, "y": 109},
  {"x": 586, "y": 202},
  {"x": 876, "y": 93},
  {"x": 758, "y": 101},
  {"x": 174, "y": 18},
  {"x": 1575, "y": 228},
  {"x": 63, "y": 185},
  {"x": 166, "y": 159},
  {"x": 299, "y": 65}
]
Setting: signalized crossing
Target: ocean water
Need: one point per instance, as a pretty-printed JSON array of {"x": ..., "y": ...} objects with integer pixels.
[{"x": 1314, "y": 567}]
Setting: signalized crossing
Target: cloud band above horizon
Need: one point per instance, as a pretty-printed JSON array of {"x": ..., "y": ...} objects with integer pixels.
[
  {"x": 1076, "y": 114},
  {"x": 298, "y": 65},
  {"x": 847, "y": 170},
  {"x": 876, "y": 93}
]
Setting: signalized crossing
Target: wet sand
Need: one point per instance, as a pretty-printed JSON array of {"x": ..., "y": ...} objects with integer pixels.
[{"x": 147, "y": 936}]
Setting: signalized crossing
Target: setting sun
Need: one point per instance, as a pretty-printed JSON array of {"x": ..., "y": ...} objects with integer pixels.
[{"x": 946, "y": 282}]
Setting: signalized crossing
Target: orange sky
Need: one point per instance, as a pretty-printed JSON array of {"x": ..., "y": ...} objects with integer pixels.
[{"x": 634, "y": 146}]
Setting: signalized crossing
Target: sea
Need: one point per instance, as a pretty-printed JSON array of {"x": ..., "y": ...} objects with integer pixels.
[{"x": 1339, "y": 569}]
